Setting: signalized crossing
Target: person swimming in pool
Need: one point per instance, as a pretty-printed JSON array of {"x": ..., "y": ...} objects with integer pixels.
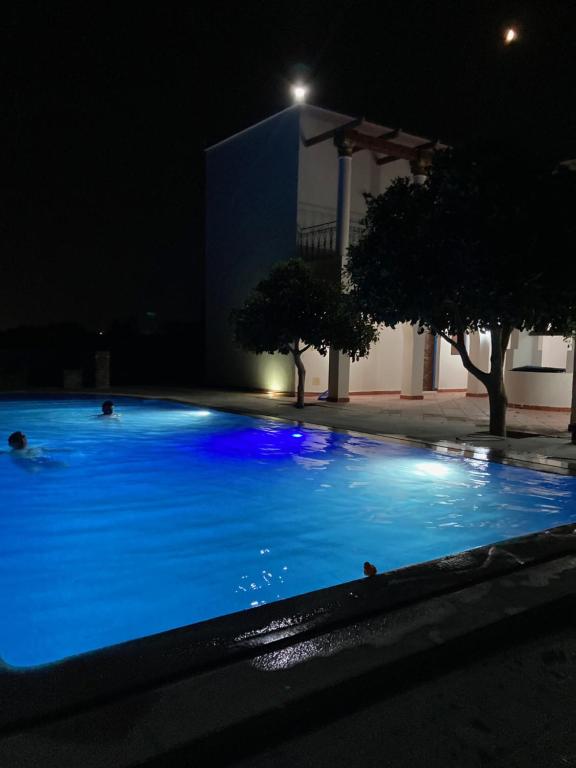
[
  {"x": 18, "y": 441},
  {"x": 108, "y": 410},
  {"x": 30, "y": 459}
]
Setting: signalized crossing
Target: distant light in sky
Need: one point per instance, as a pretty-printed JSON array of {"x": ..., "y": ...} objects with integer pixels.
[
  {"x": 299, "y": 93},
  {"x": 510, "y": 36}
]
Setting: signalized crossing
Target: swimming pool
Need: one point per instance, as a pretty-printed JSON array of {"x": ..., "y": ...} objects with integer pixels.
[{"x": 171, "y": 514}]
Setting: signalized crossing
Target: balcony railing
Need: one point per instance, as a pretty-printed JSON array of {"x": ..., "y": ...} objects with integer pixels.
[{"x": 319, "y": 242}]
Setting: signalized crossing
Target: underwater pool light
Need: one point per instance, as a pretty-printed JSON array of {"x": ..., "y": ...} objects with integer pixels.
[
  {"x": 202, "y": 413},
  {"x": 297, "y": 434},
  {"x": 432, "y": 469}
]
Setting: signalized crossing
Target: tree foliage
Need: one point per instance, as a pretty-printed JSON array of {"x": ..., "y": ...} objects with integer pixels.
[
  {"x": 292, "y": 310},
  {"x": 484, "y": 245}
]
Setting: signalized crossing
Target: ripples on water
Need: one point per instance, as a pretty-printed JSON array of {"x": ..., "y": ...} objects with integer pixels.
[{"x": 172, "y": 514}]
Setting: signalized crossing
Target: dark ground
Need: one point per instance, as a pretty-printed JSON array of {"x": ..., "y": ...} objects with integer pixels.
[{"x": 504, "y": 700}]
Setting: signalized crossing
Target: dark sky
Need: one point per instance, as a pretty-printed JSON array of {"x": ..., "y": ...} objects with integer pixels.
[{"x": 107, "y": 108}]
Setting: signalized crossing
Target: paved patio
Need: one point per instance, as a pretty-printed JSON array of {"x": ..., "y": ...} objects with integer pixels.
[{"x": 508, "y": 705}]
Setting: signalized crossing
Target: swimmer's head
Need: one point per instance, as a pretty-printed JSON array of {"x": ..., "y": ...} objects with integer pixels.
[
  {"x": 18, "y": 441},
  {"x": 107, "y": 408}
]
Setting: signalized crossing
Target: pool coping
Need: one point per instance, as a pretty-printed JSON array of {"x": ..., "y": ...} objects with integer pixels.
[
  {"x": 232, "y": 710},
  {"x": 29, "y": 696},
  {"x": 34, "y": 697}
]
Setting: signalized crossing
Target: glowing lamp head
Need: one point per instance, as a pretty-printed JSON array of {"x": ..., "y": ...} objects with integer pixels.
[
  {"x": 299, "y": 93},
  {"x": 510, "y": 35}
]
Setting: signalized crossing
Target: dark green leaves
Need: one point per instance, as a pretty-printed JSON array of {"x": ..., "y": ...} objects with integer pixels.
[{"x": 294, "y": 307}]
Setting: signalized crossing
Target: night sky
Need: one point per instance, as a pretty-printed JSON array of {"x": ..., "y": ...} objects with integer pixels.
[{"x": 107, "y": 108}]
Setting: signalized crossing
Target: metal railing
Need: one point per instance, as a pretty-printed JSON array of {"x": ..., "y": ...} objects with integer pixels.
[{"x": 319, "y": 241}]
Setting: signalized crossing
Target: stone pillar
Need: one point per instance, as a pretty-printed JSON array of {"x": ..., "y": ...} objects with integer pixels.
[
  {"x": 570, "y": 356},
  {"x": 513, "y": 345},
  {"x": 414, "y": 342},
  {"x": 339, "y": 364},
  {"x": 102, "y": 370},
  {"x": 479, "y": 353},
  {"x": 412, "y": 363}
]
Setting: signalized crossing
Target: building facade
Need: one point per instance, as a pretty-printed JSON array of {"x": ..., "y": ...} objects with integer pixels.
[{"x": 294, "y": 184}]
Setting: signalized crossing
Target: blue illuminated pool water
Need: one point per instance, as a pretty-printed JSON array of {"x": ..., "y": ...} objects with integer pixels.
[{"x": 172, "y": 514}]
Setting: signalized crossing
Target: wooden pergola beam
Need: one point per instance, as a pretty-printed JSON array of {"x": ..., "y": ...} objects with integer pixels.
[
  {"x": 428, "y": 145},
  {"x": 332, "y": 132},
  {"x": 388, "y": 135},
  {"x": 383, "y": 146},
  {"x": 386, "y": 159},
  {"x": 391, "y": 134}
]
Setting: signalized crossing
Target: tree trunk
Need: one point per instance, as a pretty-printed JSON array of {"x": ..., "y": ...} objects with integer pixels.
[
  {"x": 301, "y": 378},
  {"x": 495, "y": 384},
  {"x": 498, "y": 404},
  {"x": 492, "y": 380}
]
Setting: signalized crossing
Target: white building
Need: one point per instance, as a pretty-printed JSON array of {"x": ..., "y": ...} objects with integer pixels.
[{"x": 295, "y": 184}]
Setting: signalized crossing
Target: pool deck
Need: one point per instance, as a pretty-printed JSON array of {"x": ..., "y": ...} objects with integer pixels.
[{"x": 469, "y": 661}]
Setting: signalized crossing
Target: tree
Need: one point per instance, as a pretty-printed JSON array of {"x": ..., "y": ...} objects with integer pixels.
[
  {"x": 293, "y": 310},
  {"x": 483, "y": 245}
]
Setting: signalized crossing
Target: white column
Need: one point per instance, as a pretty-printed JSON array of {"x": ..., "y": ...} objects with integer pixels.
[
  {"x": 412, "y": 363},
  {"x": 479, "y": 353},
  {"x": 339, "y": 364},
  {"x": 414, "y": 343},
  {"x": 570, "y": 356},
  {"x": 513, "y": 345}
]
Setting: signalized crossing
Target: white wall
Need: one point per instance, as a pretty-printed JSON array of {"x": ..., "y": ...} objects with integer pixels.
[
  {"x": 251, "y": 204},
  {"x": 545, "y": 351},
  {"x": 316, "y": 371},
  {"x": 554, "y": 352},
  {"x": 451, "y": 372},
  {"x": 381, "y": 371},
  {"x": 551, "y": 390},
  {"x": 479, "y": 348},
  {"x": 524, "y": 350},
  {"x": 317, "y": 197}
]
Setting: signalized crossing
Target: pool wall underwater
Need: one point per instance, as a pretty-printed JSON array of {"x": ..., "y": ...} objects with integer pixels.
[{"x": 287, "y": 631}]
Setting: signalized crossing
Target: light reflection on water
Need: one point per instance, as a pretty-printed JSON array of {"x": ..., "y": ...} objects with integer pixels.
[{"x": 171, "y": 514}]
